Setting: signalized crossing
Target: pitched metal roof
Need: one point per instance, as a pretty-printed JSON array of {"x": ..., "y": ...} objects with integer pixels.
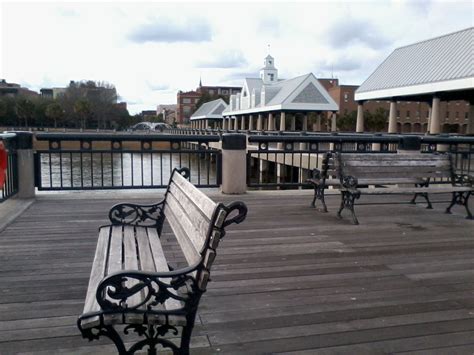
[
  {"x": 449, "y": 58},
  {"x": 211, "y": 109}
]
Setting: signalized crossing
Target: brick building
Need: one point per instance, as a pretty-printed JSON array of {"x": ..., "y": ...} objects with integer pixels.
[
  {"x": 13, "y": 90},
  {"x": 186, "y": 101},
  {"x": 412, "y": 116}
]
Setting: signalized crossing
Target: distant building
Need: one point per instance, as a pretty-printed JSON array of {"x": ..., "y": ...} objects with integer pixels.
[
  {"x": 13, "y": 90},
  {"x": 186, "y": 101},
  {"x": 209, "y": 115},
  {"x": 52, "y": 93},
  {"x": 168, "y": 112},
  {"x": 148, "y": 113}
]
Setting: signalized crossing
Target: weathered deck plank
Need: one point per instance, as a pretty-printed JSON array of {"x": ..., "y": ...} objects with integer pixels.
[{"x": 289, "y": 279}]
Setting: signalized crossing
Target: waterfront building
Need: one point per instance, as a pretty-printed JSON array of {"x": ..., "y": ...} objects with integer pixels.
[
  {"x": 432, "y": 81},
  {"x": 267, "y": 102},
  {"x": 14, "y": 90},
  {"x": 186, "y": 101},
  {"x": 209, "y": 115},
  {"x": 168, "y": 112}
]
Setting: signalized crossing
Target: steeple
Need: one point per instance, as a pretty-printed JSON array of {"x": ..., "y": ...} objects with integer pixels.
[
  {"x": 200, "y": 82},
  {"x": 269, "y": 74}
]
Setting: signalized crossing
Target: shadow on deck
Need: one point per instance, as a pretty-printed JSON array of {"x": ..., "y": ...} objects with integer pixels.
[{"x": 289, "y": 279}]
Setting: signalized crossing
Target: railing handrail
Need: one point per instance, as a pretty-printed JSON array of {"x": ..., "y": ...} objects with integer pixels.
[{"x": 126, "y": 137}]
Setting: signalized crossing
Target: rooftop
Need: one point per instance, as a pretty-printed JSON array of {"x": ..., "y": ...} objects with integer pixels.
[
  {"x": 439, "y": 64},
  {"x": 288, "y": 279}
]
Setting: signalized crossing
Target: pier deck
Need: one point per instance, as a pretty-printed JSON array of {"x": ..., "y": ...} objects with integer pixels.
[{"x": 287, "y": 280}]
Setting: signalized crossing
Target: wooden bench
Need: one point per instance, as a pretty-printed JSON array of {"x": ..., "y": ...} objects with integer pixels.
[
  {"x": 353, "y": 173},
  {"x": 132, "y": 287}
]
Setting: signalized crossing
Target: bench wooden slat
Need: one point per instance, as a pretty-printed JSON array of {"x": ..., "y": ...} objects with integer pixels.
[
  {"x": 394, "y": 181},
  {"x": 131, "y": 263},
  {"x": 204, "y": 203},
  {"x": 114, "y": 264},
  {"x": 404, "y": 190},
  {"x": 97, "y": 274},
  {"x": 362, "y": 173},
  {"x": 190, "y": 253},
  {"x": 393, "y": 156},
  {"x": 195, "y": 224}
]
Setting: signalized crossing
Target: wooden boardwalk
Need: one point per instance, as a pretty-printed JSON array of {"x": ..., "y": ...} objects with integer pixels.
[{"x": 287, "y": 280}]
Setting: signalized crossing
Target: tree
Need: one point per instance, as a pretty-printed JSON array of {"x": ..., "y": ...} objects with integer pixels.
[
  {"x": 375, "y": 122},
  {"x": 83, "y": 109},
  {"x": 347, "y": 122},
  {"x": 55, "y": 112},
  {"x": 24, "y": 110}
]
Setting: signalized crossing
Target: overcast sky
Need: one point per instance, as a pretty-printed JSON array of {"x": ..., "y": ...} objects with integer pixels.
[{"x": 150, "y": 50}]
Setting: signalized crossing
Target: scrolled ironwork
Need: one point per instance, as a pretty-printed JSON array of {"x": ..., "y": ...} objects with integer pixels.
[
  {"x": 349, "y": 182},
  {"x": 137, "y": 215},
  {"x": 113, "y": 294},
  {"x": 463, "y": 180}
]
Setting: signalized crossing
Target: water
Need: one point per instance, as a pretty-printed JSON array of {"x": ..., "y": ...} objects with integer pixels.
[{"x": 74, "y": 170}]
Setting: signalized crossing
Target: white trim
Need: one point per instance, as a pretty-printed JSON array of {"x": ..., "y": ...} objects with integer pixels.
[{"x": 429, "y": 88}]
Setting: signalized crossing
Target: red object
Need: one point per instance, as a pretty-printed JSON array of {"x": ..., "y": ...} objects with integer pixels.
[{"x": 3, "y": 164}]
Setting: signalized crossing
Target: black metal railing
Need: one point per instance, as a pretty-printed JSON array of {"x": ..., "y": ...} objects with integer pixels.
[
  {"x": 123, "y": 161},
  {"x": 287, "y": 160},
  {"x": 10, "y": 187}
]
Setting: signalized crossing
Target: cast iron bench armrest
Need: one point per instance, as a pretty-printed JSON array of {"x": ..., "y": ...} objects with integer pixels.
[{"x": 137, "y": 215}]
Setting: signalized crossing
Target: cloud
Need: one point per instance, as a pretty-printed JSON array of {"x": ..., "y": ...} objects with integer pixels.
[
  {"x": 166, "y": 31},
  {"x": 226, "y": 59},
  {"x": 420, "y": 6},
  {"x": 347, "y": 32},
  {"x": 341, "y": 63},
  {"x": 68, "y": 11},
  {"x": 158, "y": 87},
  {"x": 269, "y": 25}
]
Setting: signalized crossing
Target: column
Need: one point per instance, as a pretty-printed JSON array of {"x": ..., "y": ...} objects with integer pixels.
[
  {"x": 282, "y": 121},
  {"x": 259, "y": 122},
  {"x": 470, "y": 122},
  {"x": 26, "y": 166},
  {"x": 242, "y": 122},
  {"x": 333, "y": 122},
  {"x": 435, "y": 124},
  {"x": 429, "y": 118},
  {"x": 234, "y": 163},
  {"x": 206, "y": 124},
  {"x": 305, "y": 122},
  {"x": 270, "y": 122},
  {"x": 293, "y": 122},
  {"x": 360, "y": 117},
  {"x": 392, "y": 117},
  {"x": 236, "y": 123},
  {"x": 251, "y": 123},
  {"x": 318, "y": 122}
]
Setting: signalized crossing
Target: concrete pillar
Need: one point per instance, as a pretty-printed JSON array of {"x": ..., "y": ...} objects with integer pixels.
[
  {"x": 435, "y": 124},
  {"x": 234, "y": 163},
  {"x": 259, "y": 122},
  {"x": 428, "y": 126},
  {"x": 360, "y": 117},
  {"x": 242, "y": 122},
  {"x": 282, "y": 121},
  {"x": 26, "y": 165},
  {"x": 470, "y": 122},
  {"x": 271, "y": 124},
  {"x": 333, "y": 122},
  {"x": 236, "y": 123},
  {"x": 251, "y": 128},
  {"x": 318, "y": 122},
  {"x": 305, "y": 122},
  {"x": 293, "y": 122},
  {"x": 206, "y": 124},
  {"x": 392, "y": 117}
]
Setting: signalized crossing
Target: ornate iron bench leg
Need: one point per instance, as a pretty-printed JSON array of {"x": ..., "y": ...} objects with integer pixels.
[
  {"x": 347, "y": 201},
  {"x": 461, "y": 198}
]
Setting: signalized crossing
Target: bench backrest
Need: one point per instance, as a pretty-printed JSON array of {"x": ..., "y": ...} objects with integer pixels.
[
  {"x": 196, "y": 221},
  {"x": 383, "y": 166}
]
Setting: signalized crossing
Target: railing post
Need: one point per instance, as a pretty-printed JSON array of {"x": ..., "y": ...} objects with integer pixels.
[
  {"x": 26, "y": 165},
  {"x": 234, "y": 163}
]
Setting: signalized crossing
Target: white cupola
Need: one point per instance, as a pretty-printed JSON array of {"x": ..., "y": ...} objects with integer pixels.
[{"x": 269, "y": 74}]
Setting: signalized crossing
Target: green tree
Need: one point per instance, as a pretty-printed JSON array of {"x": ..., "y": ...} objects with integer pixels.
[
  {"x": 55, "y": 112},
  {"x": 347, "y": 122},
  {"x": 82, "y": 108},
  {"x": 24, "y": 110},
  {"x": 375, "y": 122}
]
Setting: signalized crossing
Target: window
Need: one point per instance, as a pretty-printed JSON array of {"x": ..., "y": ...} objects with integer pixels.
[
  {"x": 447, "y": 114},
  {"x": 457, "y": 114},
  {"x": 466, "y": 115},
  {"x": 270, "y": 62},
  {"x": 346, "y": 97},
  {"x": 417, "y": 113},
  {"x": 186, "y": 109},
  {"x": 271, "y": 76},
  {"x": 186, "y": 100},
  {"x": 398, "y": 113},
  {"x": 224, "y": 92},
  {"x": 427, "y": 114},
  {"x": 408, "y": 113}
]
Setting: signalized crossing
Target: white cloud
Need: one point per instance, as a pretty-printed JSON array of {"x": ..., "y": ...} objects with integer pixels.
[{"x": 174, "y": 44}]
